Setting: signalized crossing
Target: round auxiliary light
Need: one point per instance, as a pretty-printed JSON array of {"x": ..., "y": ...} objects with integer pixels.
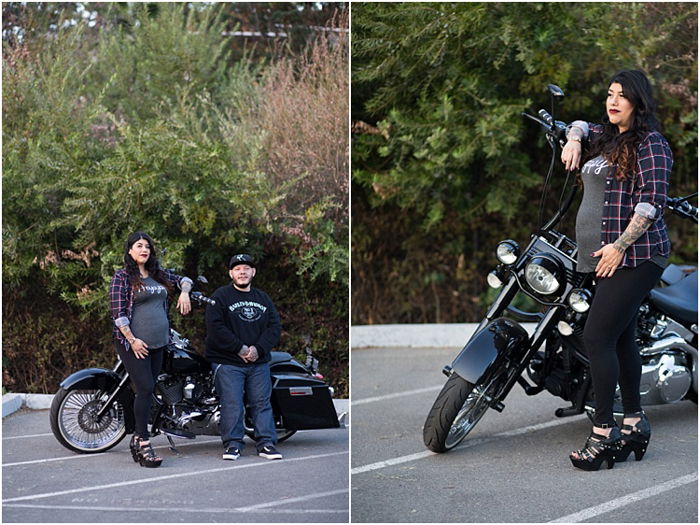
[
  {"x": 507, "y": 251},
  {"x": 494, "y": 280},
  {"x": 580, "y": 300},
  {"x": 544, "y": 274},
  {"x": 565, "y": 328}
]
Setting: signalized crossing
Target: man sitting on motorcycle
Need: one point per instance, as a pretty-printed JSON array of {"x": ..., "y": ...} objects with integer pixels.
[{"x": 242, "y": 329}]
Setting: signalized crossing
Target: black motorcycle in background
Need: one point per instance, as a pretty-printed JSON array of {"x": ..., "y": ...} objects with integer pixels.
[
  {"x": 501, "y": 353},
  {"x": 93, "y": 408}
]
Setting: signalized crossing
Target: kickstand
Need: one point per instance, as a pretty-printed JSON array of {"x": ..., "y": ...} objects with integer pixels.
[{"x": 172, "y": 446}]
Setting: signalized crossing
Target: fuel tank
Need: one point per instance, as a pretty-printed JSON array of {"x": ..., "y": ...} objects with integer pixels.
[{"x": 183, "y": 360}]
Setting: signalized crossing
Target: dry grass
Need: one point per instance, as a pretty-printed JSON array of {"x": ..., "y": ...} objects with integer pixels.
[{"x": 304, "y": 116}]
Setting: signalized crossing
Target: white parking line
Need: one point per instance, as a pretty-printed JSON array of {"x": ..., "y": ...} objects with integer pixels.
[
  {"x": 171, "y": 509},
  {"x": 260, "y": 507},
  {"x": 393, "y": 461},
  {"x": 81, "y": 456},
  {"x": 276, "y": 503},
  {"x": 396, "y": 394},
  {"x": 161, "y": 478},
  {"x": 264, "y": 508},
  {"x": 469, "y": 443},
  {"x": 615, "y": 504},
  {"x": 49, "y": 460},
  {"x": 207, "y": 510},
  {"x": 28, "y": 436}
]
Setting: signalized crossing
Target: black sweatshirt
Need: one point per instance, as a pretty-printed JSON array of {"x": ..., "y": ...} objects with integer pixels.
[{"x": 241, "y": 318}]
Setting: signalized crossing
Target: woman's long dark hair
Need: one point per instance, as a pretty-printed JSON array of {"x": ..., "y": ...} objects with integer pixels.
[
  {"x": 152, "y": 264},
  {"x": 620, "y": 149}
]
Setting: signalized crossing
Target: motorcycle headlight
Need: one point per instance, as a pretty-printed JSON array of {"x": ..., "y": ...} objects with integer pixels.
[
  {"x": 580, "y": 300},
  {"x": 507, "y": 251},
  {"x": 544, "y": 274}
]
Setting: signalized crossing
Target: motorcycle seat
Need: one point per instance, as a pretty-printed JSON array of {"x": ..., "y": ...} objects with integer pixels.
[
  {"x": 279, "y": 357},
  {"x": 672, "y": 274},
  {"x": 680, "y": 300}
]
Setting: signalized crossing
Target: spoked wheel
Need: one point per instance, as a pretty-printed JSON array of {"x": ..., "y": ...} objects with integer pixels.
[
  {"x": 456, "y": 411},
  {"x": 75, "y": 425}
]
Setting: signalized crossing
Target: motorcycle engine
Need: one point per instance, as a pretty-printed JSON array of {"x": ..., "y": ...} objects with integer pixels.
[
  {"x": 170, "y": 388},
  {"x": 666, "y": 378},
  {"x": 669, "y": 358},
  {"x": 191, "y": 405}
]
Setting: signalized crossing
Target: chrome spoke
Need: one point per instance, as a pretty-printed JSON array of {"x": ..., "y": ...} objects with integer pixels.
[
  {"x": 78, "y": 423},
  {"x": 475, "y": 406}
]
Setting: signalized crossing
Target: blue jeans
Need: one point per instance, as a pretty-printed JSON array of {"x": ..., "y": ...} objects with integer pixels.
[{"x": 233, "y": 384}]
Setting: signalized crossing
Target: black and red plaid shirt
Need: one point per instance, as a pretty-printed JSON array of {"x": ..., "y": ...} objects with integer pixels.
[
  {"x": 121, "y": 300},
  {"x": 646, "y": 195}
]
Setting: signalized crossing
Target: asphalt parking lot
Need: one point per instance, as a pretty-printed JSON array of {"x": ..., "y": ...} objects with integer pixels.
[
  {"x": 44, "y": 482},
  {"x": 513, "y": 467}
]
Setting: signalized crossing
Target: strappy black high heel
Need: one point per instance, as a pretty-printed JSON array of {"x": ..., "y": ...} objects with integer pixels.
[
  {"x": 144, "y": 454},
  {"x": 637, "y": 440},
  {"x": 134, "y": 447},
  {"x": 598, "y": 448}
]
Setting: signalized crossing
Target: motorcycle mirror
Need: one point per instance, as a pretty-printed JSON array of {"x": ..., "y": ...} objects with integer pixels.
[
  {"x": 555, "y": 91},
  {"x": 202, "y": 279}
]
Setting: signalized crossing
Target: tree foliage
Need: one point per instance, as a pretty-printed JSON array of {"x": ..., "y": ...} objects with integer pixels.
[
  {"x": 145, "y": 121},
  {"x": 444, "y": 165}
]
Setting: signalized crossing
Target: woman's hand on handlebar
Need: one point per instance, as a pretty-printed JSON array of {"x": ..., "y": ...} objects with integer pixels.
[
  {"x": 184, "y": 304},
  {"x": 571, "y": 155}
]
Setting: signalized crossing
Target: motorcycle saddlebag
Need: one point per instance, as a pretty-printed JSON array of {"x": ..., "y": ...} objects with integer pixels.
[{"x": 304, "y": 402}]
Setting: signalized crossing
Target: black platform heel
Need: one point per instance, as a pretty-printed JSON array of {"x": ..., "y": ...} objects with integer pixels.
[
  {"x": 598, "y": 448},
  {"x": 145, "y": 455},
  {"x": 134, "y": 447},
  {"x": 637, "y": 440}
]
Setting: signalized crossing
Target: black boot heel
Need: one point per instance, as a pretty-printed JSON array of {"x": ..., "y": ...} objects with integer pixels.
[
  {"x": 636, "y": 439},
  {"x": 598, "y": 449},
  {"x": 146, "y": 456}
]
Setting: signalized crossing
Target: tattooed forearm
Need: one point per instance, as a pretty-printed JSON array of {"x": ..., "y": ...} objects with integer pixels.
[
  {"x": 575, "y": 133},
  {"x": 637, "y": 226},
  {"x": 127, "y": 333}
]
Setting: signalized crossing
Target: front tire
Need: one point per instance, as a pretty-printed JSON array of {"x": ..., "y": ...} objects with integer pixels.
[
  {"x": 74, "y": 425},
  {"x": 456, "y": 411}
]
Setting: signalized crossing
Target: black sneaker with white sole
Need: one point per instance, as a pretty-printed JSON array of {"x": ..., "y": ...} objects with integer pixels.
[
  {"x": 269, "y": 452},
  {"x": 232, "y": 453}
]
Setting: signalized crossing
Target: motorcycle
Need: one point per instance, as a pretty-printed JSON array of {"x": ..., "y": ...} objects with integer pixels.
[
  {"x": 501, "y": 353},
  {"x": 92, "y": 410}
]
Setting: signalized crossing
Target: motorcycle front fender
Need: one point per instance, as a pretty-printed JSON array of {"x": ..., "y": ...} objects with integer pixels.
[
  {"x": 501, "y": 337},
  {"x": 99, "y": 378},
  {"x": 106, "y": 381}
]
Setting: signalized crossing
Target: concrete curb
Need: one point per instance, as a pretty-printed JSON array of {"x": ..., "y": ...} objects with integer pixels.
[
  {"x": 11, "y": 403},
  {"x": 446, "y": 335}
]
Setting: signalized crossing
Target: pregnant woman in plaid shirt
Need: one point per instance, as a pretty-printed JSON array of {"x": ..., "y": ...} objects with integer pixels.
[
  {"x": 622, "y": 238},
  {"x": 138, "y": 296}
]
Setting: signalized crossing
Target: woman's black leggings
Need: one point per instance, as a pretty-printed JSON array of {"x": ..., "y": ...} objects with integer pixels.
[
  {"x": 143, "y": 374},
  {"x": 609, "y": 338}
]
